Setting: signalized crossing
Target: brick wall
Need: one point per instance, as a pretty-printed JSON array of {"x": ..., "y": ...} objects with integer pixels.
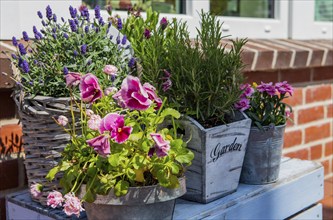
[{"x": 308, "y": 66}]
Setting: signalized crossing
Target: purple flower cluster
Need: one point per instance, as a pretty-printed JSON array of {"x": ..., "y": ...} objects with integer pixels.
[
  {"x": 166, "y": 85},
  {"x": 49, "y": 12},
  {"x": 22, "y": 49},
  {"x": 97, "y": 12},
  {"x": 25, "y": 36},
  {"x": 84, "y": 49},
  {"x": 72, "y": 25},
  {"x": 84, "y": 11},
  {"x": 146, "y": 33},
  {"x": 163, "y": 23},
  {"x": 25, "y": 66},
  {"x": 72, "y": 11},
  {"x": 284, "y": 87},
  {"x": 119, "y": 24},
  {"x": 14, "y": 41},
  {"x": 131, "y": 63},
  {"x": 267, "y": 87},
  {"x": 40, "y": 15}
]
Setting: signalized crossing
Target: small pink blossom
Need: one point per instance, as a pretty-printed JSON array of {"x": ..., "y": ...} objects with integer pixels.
[
  {"x": 161, "y": 147},
  {"x": 152, "y": 95},
  {"x": 36, "y": 190},
  {"x": 94, "y": 122},
  {"x": 72, "y": 79},
  {"x": 267, "y": 87},
  {"x": 90, "y": 89},
  {"x": 284, "y": 87},
  {"x": 110, "y": 90},
  {"x": 247, "y": 90},
  {"x": 72, "y": 205},
  {"x": 62, "y": 120},
  {"x": 54, "y": 199},
  {"x": 243, "y": 104},
  {"x": 110, "y": 70}
]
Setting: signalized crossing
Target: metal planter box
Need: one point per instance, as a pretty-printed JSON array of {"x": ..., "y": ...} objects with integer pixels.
[{"x": 219, "y": 154}]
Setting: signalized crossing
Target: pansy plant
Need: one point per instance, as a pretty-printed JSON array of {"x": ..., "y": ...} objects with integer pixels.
[{"x": 124, "y": 142}]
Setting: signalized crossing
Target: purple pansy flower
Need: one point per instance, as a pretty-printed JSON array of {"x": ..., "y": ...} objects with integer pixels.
[
  {"x": 101, "y": 144},
  {"x": 72, "y": 79},
  {"x": 161, "y": 147},
  {"x": 152, "y": 95},
  {"x": 89, "y": 88}
]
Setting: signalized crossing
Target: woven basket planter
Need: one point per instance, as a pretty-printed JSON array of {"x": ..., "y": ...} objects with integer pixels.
[{"x": 43, "y": 139}]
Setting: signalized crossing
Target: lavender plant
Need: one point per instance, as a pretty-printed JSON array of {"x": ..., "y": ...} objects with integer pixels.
[{"x": 79, "y": 44}]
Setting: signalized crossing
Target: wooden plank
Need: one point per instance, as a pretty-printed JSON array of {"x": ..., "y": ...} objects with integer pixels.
[
  {"x": 314, "y": 213},
  {"x": 300, "y": 185}
]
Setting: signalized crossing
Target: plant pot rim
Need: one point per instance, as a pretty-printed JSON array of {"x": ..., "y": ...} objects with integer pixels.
[
  {"x": 141, "y": 195},
  {"x": 268, "y": 127}
]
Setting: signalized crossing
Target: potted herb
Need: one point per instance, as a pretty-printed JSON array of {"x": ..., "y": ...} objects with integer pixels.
[
  {"x": 124, "y": 164},
  {"x": 54, "y": 56},
  {"x": 264, "y": 105}
]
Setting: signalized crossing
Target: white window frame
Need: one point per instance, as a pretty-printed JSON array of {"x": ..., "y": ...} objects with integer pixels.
[{"x": 303, "y": 24}]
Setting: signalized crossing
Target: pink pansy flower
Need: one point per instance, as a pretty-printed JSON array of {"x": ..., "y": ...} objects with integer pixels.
[
  {"x": 152, "y": 95},
  {"x": 72, "y": 205},
  {"x": 110, "y": 90},
  {"x": 242, "y": 104},
  {"x": 72, "y": 79},
  {"x": 161, "y": 146},
  {"x": 101, "y": 144},
  {"x": 133, "y": 95},
  {"x": 247, "y": 90},
  {"x": 110, "y": 70},
  {"x": 115, "y": 124},
  {"x": 62, "y": 120},
  {"x": 54, "y": 199},
  {"x": 267, "y": 87},
  {"x": 90, "y": 89},
  {"x": 284, "y": 87},
  {"x": 36, "y": 190},
  {"x": 94, "y": 122}
]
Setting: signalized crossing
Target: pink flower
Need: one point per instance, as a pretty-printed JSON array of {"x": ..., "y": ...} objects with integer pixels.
[
  {"x": 54, "y": 199},
  {"x": 72, "y": 205},
  {"x": 284, "y": 87},
  {"x": 90, "y": 89},
  {"x": 161, "y": 146},
  {"x": 288, "y": 114},
  {"x": 101, "y": 144},
  {"x": 133, "y": 95},
  {"x": 152, "y": 95},
  {"x": 247, "y": 90},
  {"x": 267, "y": 87},
  {"x": 242, "y": 104},
  {"x": 89, "y": 113},
  {"x": 166, "y": 85},
  {"x": 115, "y": 124},
  {"x": 110, "y": 90},
  {"x": 36, "y": 190},
  {"x": 72, "y": 79},
  {"x": 62, "y": 120},
  {"x": 110, "y": 70},
  {"x": 94, "y": 122}
]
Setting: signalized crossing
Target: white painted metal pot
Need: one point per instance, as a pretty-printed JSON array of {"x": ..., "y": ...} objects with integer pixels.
[
  {"x": 263, "y": 155},
  {"x": 218, "y": 157},
  {"x": 147, "y": 202}
]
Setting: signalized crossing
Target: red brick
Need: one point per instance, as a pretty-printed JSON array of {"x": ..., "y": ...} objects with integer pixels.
[
  {"x": 247, "y": 58},
  {"x": 323, "y": 73},
  {"x": 329, "y": 149},
  {"x": 316, "y": 152},
  {"x": 310, "y": 114},
  {"x": 318, "y": 93},
  {"x": 296, "y": 99},
  {"x": 291, "y": 120},
  {"x": 317, "y": 132},
  {"x": 296, "y": 75},
  {"x": 261, "y": 76},
  {"x": 9, "y": 174},
  {"x": 10, "y": 139},
  {"x": 300, "y": 154},
  {"x": 330, "y": 111},
  {"x": 327, "y": 167},
  {"x": 292, "y": 138}
]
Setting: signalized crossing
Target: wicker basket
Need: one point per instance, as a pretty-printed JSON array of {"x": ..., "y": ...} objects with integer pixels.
[{"x": 43, "y": 139}]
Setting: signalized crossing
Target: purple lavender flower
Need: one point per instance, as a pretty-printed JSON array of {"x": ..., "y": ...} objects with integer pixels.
[
  {"x": 97, "y": 12},
  {"x": 22, "y": 49},
  {"x": 267, "y": 87},
  {"x": 43, "y": 23},
  {"x": 132, "y": 62},
  {"x": 40, "y": 15},
  {"x": 43, "y": 31},
  {"x": 75, "y": 53},
  {"x": 72, "y": 25},
  {"x": 65, "y": 70},
  {"x": 54, "y": 17},
  {"x": 63, "y": 19},
  {"x": 111, "y": 37},
  {"x": 124, "y": 40},
  {"x": 14, "y": 41},
  {"x": 89, "y": 62},
  {"x": 54, "y": 36},
  {"x": 49, "y": 12},
  {"x": 25, "y": 36},
  {"x": 119, "y": 24},
  {"x": 108, "y": 8},
  {"x": 97, "y": 29},
  {"x": 101, "y": 22},
  {"x": 163, "y": 23},
  {"x": 86, "y": 29},
  {"x": 35, "y": 62},
  {"x": 84, "y": 11},
  {"x": 118, "y": 39},
  {"x": 146, "y": 33},
  {"x": 54, "y": 30},
  {"x": 76, "y": 21},
  {"x": 109, "y": 24},
  {"x": 65, "y": 35},
  {"x": 284, "y": 87},
  {"x": 72, "y": 11},
  {"x": 25, "y": 66},
  {"x": 37, "y": 36},
  {"x": 84, "y": 49},
  {"x": 243, "y": 104},
  {"x": 14, "y": 56},
  {"x": 29, "y": 50},
  {"x": 34, "y": 29}
]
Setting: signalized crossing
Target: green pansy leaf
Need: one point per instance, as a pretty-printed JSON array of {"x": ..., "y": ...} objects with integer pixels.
[
  {"x": 169, "y": 111},
  {"x": 52, "y": 173},
  {"x": 114, "y": 160},
  {"x": 121, "y": 188}
]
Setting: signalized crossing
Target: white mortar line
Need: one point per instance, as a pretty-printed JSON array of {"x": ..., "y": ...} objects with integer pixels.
[
  {"x": 307, "y": 145},
  {"x": 316, "y": 123}
]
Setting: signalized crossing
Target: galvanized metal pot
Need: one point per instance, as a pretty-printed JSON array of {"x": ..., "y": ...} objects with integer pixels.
[
  {"x": 148, "y": 202},
  {"x": 263, "y": 155}
]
